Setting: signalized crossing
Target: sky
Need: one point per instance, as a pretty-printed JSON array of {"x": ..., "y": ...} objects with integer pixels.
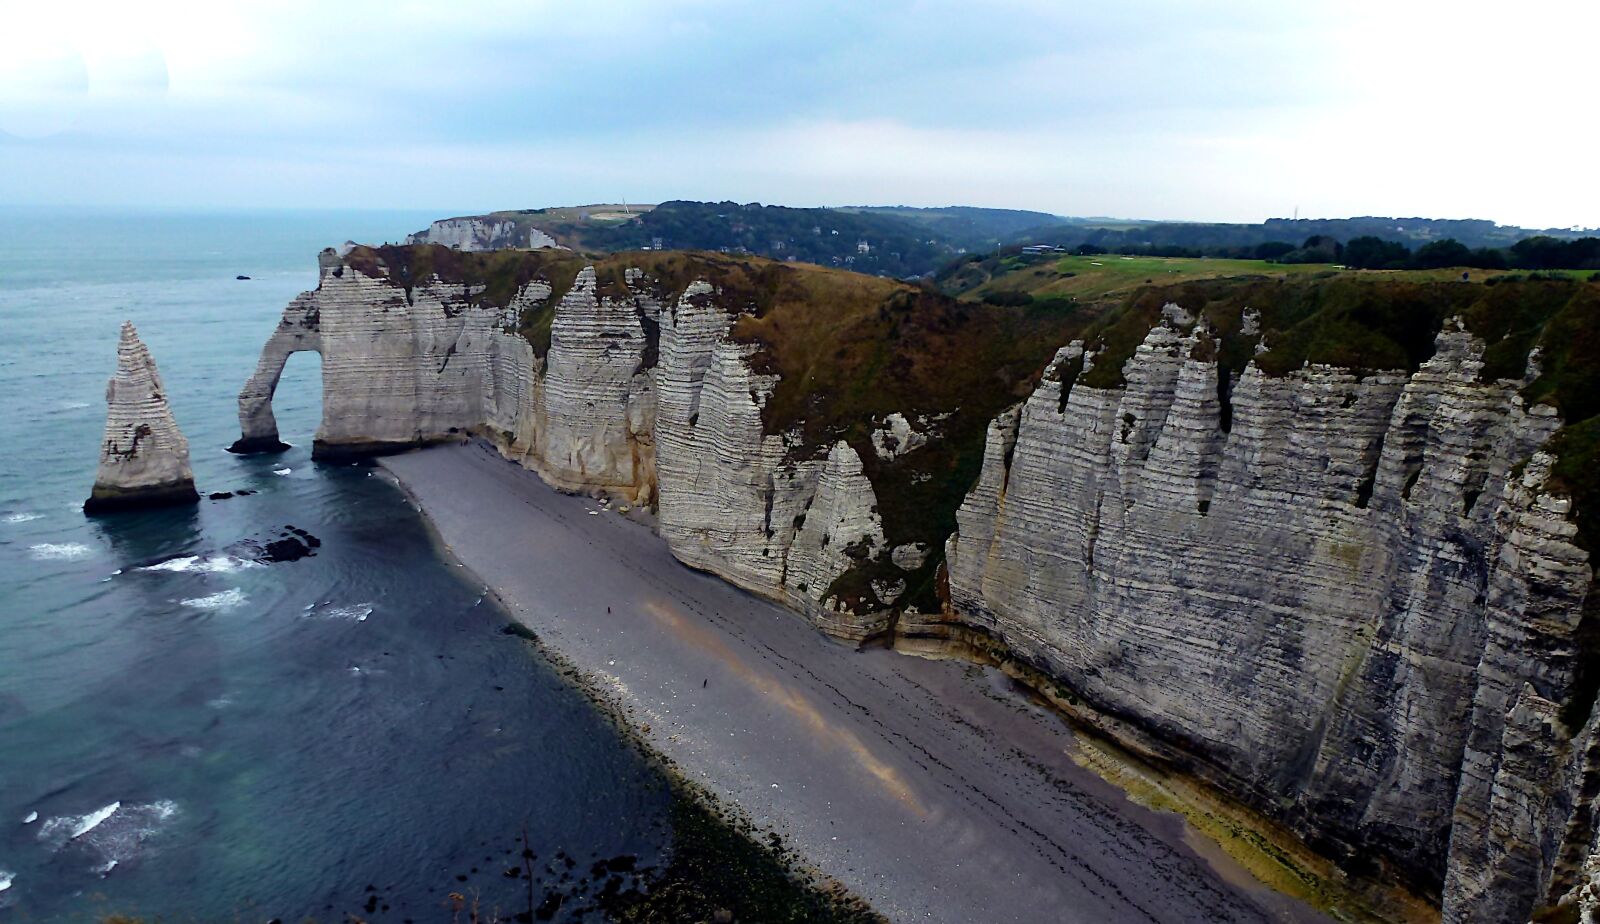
[{"x": 1169, "y": 109}]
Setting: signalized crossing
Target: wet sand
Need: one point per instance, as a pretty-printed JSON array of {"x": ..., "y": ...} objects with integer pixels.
[{"x": 933, "y": 789}]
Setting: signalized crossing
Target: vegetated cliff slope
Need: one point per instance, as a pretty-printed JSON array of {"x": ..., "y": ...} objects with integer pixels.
[{"x": 1295, "y": 536}]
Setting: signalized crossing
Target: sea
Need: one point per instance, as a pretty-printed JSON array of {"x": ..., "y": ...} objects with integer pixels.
[{"x": 192, "y": 732}]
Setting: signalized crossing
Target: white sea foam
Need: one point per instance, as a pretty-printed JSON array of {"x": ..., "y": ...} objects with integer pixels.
[
  {"x": 111, "y": 834},
  {"x": 23, "y": 517},
  {"x": 6, "y": 879},
  {"x": 74, "y": 405},
  {"x": 216, "y": 601},
  {"x": 59, "y": 551},
  {"x": 282, "y": 471},
  {"x": 212, "y": 564},
  {"x": 95, "y": 819},
  {"x": 358, "y": 612}
]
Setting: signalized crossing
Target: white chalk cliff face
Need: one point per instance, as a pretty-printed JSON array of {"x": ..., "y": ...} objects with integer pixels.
[
  {"x": 406, "y": 368},
  {"x": 1346, "y": 605},
  {"x": 1348, "y": 600},
  {"x": 144, "y": 458},
  {"x": 476, "y": 234}
]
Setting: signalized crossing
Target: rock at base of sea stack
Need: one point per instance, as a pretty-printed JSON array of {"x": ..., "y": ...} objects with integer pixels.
[
  {"x": 257, "y": 445},
  {"x": 144, "y": 459}
]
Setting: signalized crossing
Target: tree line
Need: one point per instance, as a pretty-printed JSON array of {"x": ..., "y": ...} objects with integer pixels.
[{"x": 1369, "y": 252}]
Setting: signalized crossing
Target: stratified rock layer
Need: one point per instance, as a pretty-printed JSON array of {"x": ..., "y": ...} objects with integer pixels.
[
  {"x": 144, "y": 459},
  {"x": 1341, "y": 607},
  {"x": 1347, "y": 598}
]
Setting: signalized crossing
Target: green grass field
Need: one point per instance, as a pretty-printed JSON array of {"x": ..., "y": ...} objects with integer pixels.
[{"x": 1091, "y": 277}]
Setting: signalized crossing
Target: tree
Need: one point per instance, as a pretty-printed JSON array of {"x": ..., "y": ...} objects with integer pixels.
[
  {"x": 1272, "y": 250},
  {"x": 1439, "y": 254},
  {"x": 1369, "y": 252},
  {"x": 1318, "y": 248},
  {"x": 1539, "y": 252},
  {"x": 1489, "y": 258}
]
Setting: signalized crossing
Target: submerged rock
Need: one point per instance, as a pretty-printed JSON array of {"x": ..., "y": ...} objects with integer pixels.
[{"x": 144, "y": 460}]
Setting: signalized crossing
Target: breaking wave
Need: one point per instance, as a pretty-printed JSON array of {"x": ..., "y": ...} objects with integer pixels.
[
  {"x": 23, "y": 517},
  {"x": 213, "y": 564},
  {"x": 63, "y": 828},
  {"x": 59, "y": 551},
  {"x": 359, "y": 612},
  {"x": 217, "y": 601},
  {"x": 112, "y": 834}
]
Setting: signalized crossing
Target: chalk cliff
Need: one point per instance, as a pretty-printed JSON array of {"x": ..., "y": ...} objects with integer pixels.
[
  {"x": 1316, "y": 543},
  {"x": 144, "y": 458},
  {"x": 476, "y": 233}
]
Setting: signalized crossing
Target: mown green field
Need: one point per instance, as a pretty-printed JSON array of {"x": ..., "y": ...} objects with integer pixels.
[{"x": 1090, "y": 277}]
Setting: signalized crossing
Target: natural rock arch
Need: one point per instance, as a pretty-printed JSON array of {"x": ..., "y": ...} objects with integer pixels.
[{"x": 299, "y": 330}]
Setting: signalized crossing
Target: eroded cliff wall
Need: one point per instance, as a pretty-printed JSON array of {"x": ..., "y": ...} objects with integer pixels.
[
  {"x": 633, "y": 393},
  {"x": 1346, "y": 602},
  {"x": 1350, "y": 594}
]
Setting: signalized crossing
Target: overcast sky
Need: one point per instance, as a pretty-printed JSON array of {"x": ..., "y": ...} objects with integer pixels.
[{"x": 1228, "y": 111}]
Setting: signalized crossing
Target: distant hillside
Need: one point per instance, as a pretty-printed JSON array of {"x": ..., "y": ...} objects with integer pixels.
[
  {"x": 1414, "y": 232},
  {"x": 966, "y": 226},
  {"x": 896, "y": 241},
  {"x": 903, "y": 241}
]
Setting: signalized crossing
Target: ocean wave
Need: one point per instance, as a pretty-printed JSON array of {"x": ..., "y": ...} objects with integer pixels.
[
  {"x": 6, "y": 879},
  {"x": 59, "y": 551},
  {"x": 22, "y": 517},
  {"x": 217, "y": 601},
  {"x": 30, "y": 818},
  {"x": 213, "y": 564},
  {"x": 74, "y": 405},
  {"x": 282, "y": 471},
  {"x": 111, "y": 834},
  {"x": 59, "y": 830},
  {"x": 93, "y": 820},
  {"x": 358, "y": 612}
]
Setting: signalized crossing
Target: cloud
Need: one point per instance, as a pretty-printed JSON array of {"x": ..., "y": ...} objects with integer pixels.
[{"x": 1154, "y": 108}]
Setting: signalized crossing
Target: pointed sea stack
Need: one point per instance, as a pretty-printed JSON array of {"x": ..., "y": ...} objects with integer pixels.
[{"x": 144, "y": 461}]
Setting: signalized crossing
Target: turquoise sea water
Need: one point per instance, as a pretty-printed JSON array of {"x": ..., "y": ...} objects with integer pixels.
[{"x": 188, "y": 733}]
